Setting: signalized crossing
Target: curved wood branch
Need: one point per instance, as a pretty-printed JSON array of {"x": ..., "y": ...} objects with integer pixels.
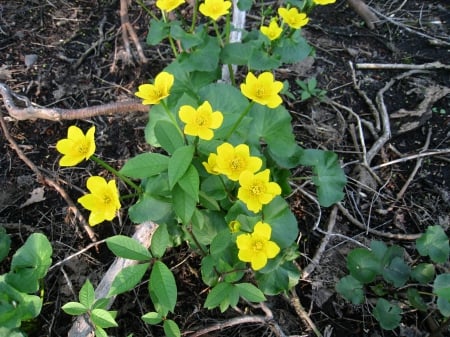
[{"x": 57, "y": 114}]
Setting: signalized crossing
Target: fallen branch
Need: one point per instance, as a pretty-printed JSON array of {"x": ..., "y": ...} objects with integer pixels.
[
  {"x": 56, "y": 114},
  {"x": 402, "y": 66},
  {"x": 364, "y": 12},
  {"x": 144, "y": 232}
]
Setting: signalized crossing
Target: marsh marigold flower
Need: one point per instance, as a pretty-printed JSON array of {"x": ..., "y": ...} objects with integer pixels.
[
  {"x": 77, "y": 146},
  {"x": 273, "y": 31},
  {"x": 211, "y": 165},
  {"x": 256, "y": 190},
  {"x": 256, "y": 247},
  {"x": 214, "y": 9},
  {"x": 169, "y": 5},
  {"x": 153, "y": 93},
  {"x": 324, "y": 2},
  {"x": 293, "y": 18},
  {"x": 103, "y": 201},
  {"x": 232, "y": 161},
  {"x": 262, "y": 89},
  {"x": 201, "y": 121}
]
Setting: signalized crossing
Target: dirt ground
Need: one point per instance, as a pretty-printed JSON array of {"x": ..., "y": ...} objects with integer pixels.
[{"x": 69, "y": 54}]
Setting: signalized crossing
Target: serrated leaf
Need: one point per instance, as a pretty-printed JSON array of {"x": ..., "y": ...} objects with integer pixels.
[
  {"x": 87, "y": 294},
  {"x": 103, "y": 318},
  {"x": 152, "y": 318},
  {"x": 127, "y": 248},
  {"x": 171, "y": 328},
  {"x": 250, "y": 292},
  {"x": 168, "y": 135},
  {"x": 127, "y": 279},
  {"x": 434, "y": 243},
  {"x": 179, "y": 163},
  {"x": 162, "y": 287},
  {"x": 351, "y": 289},
  {"x": 74, "y": 308},
  {"x": 145, "y": 165},
  {"x": 387, "y": 314},
  {"x": 363, "y": 265}
]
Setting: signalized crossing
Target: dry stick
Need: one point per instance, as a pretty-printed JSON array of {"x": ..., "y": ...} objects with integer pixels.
[
  {"x": 401, "y": 66},
  {"x": 46, "y": 180},
  {"x": 301, "y": 312},
  {"x": 364, "y": 11},
  {"x": 127, "y": 29},
  {"x": 412, "y": 157},
  {"x": 57, "y": 114},
  {"x": 143, "y": 234}
]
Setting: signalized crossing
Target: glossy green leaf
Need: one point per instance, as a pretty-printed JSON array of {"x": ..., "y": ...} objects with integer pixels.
[
  {"x": 363, "y": 265},
  {"x": 204, "y": 57},
  {"x": 100, "y": 332},
  {"x": 160, "y": 241},
  {"x": 87, "y": 294},
  {"x": 278, "y": 280},
  {"x": 158, "y": 31},
  {"x": 127, "y": 279},
  {"x": 387, "y": 314},
  {"x": 162, "y": 288},
  {"x": 423, "y": 273},
  {"x": 150, "y": 208},
  {"x": 351, "y": 289},
  {"x": 30, "y": 263},
  {"x": 218, "y": 295},
  {"x": 145, "y": 165},
  {"x": 239, "y": 53},
  {"x": 179, "y": 163},
  {"x": 5, "y": 243},
  {"x": 293, "y": 49},
  {"x": 171, "y": 328},
  {"x": 11, "y": 332},
  {"x": 209, "y": 274},
  {"x": 74, "y": 308},
  {"x": 101, "y": 303},
  {"x": 128, "y": 248},
  {"x": 103, "y": 318},
  {"x": 250, "y": 292},
  {"x": 190, "y": 183},
  {"x": 188, "y": 40},
  {"x": 283, "y": 222},
  {"x": 441, "y": 286},
  {"x": 152, "y": 318},
  {"x": 168, "y": 136},
  {"x": 434, "y": 243},
  {"x": 183, "y": 204},
  {"x": 443, "y": 306},
  {"x": 397, "y": 272}
]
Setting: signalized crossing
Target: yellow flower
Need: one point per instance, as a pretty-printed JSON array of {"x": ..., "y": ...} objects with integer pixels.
[
  {"x": 256, "y": 190},
  {"x": 273, "y": 31},
  {"x": 324, "y": 2},
  {"x": 232, "y": 161},
  {"x": 293, "y": 18},
  {"x": 215, "y": 8},
  {"x": 263, "y": 90},
  {"x": 153, "y": 93},
  {"x": 200, "y": 121},
  {"x": 103, "y": 201},
  {"x": 168, "y": 5},
  {"x": 256, "y": 247},
  {"x": 234, "y": 226},
  {"x": 211, "y": 165},
  {"x": 77, "y": 146}
]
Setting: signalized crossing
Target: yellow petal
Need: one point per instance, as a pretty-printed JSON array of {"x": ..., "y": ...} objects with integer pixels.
[
  {"x": 75, "y": 133},
  {"x": 262, "y": 230},
  {"x": 187, "y": 114},
  {"x": 216, "y": 120},
  {"x": 259, "y": 261},
  {"x": 272, "y": 249},
  {"x": 245, "y": 255},
  {"x": 96, "y": 185},
  {"x": 244, "y": 241},
  {"x": 205, "y": 133}
]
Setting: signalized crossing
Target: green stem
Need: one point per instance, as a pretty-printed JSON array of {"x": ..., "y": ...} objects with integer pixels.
[
  {"x": 241, "y": 117},
  {"x": 172, "y": 45},
  {"x": 116, "y": 173},
  {"x": 172, "y": 117},
  {"x": 194, "y": 17},
  {"x": 145, "y": 8},
  {"x": 216, "y": 29}
]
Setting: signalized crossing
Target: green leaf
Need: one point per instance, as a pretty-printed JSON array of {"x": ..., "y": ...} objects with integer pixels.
[
  {"x": 351, "y": 289},
  {"x": 387, "y": 314},
  {"x": 11, "y": 333},
  {"x": 162, "y": 288},
  {"x": 249, "y": 292},
  {"x": 245, "y": 5},
  {"x": 261, "y": 60},
  {"x": 160, "y": 241},
  {"x": 5, "y": 243},
  {"x": 443, "y": 306},
  {"x": 423, "y": 273},
  {"x": 152, "y": 318},
  {"x": 190, "y": 182},
  {"x": 280, "y": 279},
  {"x": 416, "y": 300},
  {"x": 99, "y": 332},
  {"x": 74, "y": 308},
  {"x": 363, "y": 265},
  {"x": 30, "y": 263},
  {"x": 145, "y": 165},
  {"x": 441, "y": 286},
  {"x": 397, "y": 272},
  {"x": 87, "y": 294},
  {"x": 150, "y": 208},
  {"x": 204, "y": 57},
  {"x": 434, "y": 243},
  {"x": 158, "y": 31},
  {"x": 188, "y": 40},
  {"x": 179, "y": 163},
  {"x": 127, "y": 279},
  {"x": 157, "y": 114},
  {"x": 103, "y": 318},
  {"x": 219, "y": 294},
  {"x": 101, "y": 303},
  {"x": 283, "y": 222},
  {"x": 209, "y": 274},
  {"x": 183, "y": 204},
  {"x": 168, "y": 135},
  {"x": 171, "y": 328},
  {"x": 128, "y": 248},
  {"x": 239, "y": 53},
  {"x": 294, "y": 49}
]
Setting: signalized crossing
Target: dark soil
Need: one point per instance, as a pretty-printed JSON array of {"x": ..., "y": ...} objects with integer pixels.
[{"x": 40, "y": 45}]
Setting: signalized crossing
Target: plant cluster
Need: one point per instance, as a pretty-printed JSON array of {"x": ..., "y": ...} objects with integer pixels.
[{"x": 384, "y": 272}]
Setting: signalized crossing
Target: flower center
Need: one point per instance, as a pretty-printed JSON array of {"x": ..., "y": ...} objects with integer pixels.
[
  {"x": 83, "y": 148},
  {"x": 260, "y": 92},
  {"x": 106, "y": 199},
  {"x": 256, "y": 189},
  {"x": 236, "y": 164},
  {"x": 201, "y": 120},
  {"x": 258, "y": 245}
]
